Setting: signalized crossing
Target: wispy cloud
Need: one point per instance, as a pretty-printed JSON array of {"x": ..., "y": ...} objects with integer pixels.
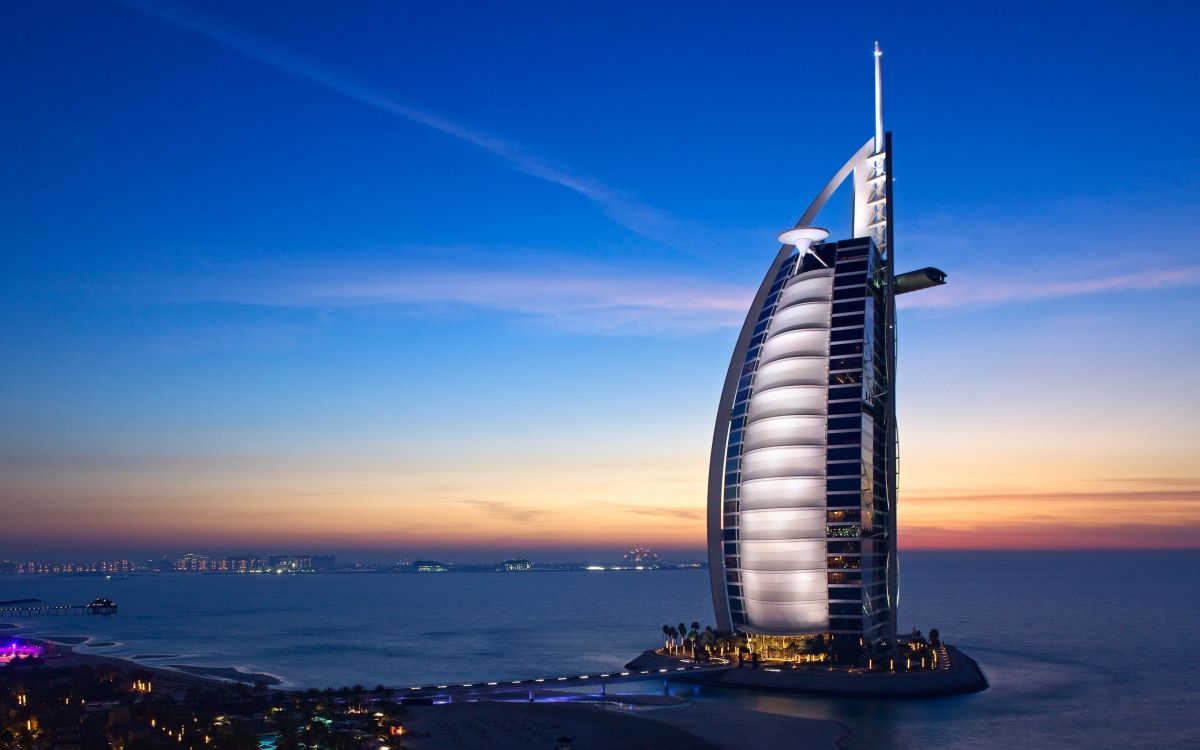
[
  {"x": 622, "y": 208},
  {"x": 504, "y": 510},
  {"x": 599, "y": 302},
  {"x": 1000, "y": 288},
  {"x": 606, "y": 301}
]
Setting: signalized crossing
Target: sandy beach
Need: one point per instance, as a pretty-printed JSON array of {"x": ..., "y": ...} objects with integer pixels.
[{"x": 170, "y": 677}]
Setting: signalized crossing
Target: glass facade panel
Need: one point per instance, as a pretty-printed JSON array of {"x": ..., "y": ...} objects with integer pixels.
[{"x": 806, "y": 509}]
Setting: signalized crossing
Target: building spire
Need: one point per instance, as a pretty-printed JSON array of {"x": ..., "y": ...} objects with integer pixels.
[{"x": 878, "y": 100}]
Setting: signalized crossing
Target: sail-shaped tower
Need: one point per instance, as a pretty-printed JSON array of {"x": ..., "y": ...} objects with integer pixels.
[{"x": 802, "y": 476}]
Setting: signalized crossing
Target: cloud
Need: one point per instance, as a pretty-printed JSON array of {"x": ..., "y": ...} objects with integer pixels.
[
  {"x": 599, "y": 302},
  {"x": 504, "y": 510},
  {"x": 606, "y": 301},
  {"x": 622, "y": 208},
  {"x": 998, "y": 288}
]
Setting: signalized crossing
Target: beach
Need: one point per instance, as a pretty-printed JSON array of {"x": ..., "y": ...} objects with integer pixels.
[{"x": 617, "y": 722}]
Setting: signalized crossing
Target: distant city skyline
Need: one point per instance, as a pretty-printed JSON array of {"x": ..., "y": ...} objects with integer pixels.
[
  {"x": 379, "y": 280},
  {"x": 208, "y": 561}
]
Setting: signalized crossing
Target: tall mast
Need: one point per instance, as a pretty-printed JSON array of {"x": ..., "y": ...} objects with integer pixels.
[{"x": 878, "y": 100}]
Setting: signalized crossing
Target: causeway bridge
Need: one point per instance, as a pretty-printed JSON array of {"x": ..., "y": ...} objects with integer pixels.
[{"x": 528, "y": 689}]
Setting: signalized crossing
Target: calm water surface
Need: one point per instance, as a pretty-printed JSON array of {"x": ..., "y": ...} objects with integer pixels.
[{"x": 1081, "y": 649}]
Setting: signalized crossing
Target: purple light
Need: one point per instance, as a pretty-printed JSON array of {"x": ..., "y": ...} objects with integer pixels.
[{"x": 18, "y": 650}]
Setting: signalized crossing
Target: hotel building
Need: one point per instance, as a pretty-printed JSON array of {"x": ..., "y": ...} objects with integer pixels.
[{"x": 802, "y": 476}]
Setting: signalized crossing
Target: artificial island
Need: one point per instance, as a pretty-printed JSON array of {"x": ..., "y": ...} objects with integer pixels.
[{"x": 802, "y": 490}]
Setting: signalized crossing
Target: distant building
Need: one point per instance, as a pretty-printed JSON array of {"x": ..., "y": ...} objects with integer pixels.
[
  {"x": 52, "y": 568},
  {"x": 193, "y": 563},
  {"x": 243, "y": 564},
  {"x": 300, "y": 563},
  {"x": 429, "y": 566},
  {"x": 517, "y": 564}
]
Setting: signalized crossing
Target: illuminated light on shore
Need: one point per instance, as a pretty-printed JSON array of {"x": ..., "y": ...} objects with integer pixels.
[{"x": 594, "y": 567}]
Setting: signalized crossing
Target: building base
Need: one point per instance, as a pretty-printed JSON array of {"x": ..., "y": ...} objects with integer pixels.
[{"x": 958, "y": 674}]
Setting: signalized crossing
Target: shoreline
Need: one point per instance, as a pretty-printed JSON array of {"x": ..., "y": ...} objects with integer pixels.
[
  {"x": 173, "y": 676},
  {"x": 608, "y": 722}
]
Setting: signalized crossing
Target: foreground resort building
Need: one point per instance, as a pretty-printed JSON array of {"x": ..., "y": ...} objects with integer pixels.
[{"x": 802, "y": 478}]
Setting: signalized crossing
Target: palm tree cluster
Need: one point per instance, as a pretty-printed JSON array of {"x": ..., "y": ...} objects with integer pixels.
[{"x": 707, "y": 643}]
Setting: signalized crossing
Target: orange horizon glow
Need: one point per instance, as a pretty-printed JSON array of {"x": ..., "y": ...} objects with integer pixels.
[{"x": 567, "y": 506}]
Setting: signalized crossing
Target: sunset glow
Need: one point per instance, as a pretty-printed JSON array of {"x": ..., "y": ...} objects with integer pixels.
[{"x": 427, "y": 297}]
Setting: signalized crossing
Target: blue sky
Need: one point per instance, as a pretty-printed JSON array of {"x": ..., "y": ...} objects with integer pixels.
[{"x": 480, "y": 266}]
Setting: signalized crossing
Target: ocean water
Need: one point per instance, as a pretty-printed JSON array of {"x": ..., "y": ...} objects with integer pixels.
[{"x": 1081, "y": 649}]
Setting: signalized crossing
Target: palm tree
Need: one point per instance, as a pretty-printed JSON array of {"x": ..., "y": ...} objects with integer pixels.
[
  {"x": 666, "y": 635},
  {"x": 793, "y": 649},
  {"x": 673, "y": 634}
]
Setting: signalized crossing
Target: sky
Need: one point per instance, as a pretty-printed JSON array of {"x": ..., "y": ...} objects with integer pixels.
[{"x": 392, "y": 280}]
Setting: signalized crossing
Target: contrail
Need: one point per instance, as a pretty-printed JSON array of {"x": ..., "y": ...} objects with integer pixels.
[{"x": 644, "y": 220}]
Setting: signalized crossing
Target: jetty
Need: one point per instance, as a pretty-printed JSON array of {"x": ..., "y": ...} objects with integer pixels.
[{"x": 37, "y": 608}]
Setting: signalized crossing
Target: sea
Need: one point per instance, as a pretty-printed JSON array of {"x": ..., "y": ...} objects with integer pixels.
[{"x": 1081, "y": 649}]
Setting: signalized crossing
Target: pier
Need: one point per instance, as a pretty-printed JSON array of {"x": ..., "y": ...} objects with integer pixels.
[{"x": 38, "y": 608}]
